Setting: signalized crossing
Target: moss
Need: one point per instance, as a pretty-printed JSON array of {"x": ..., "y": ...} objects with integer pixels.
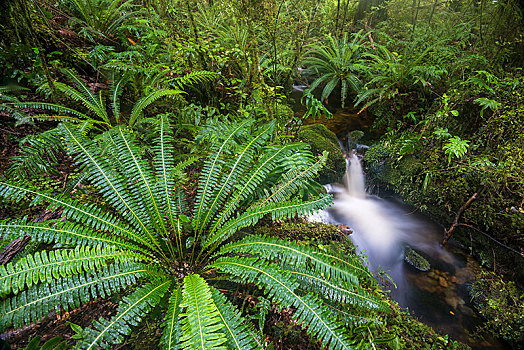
[
  {"x": 321, "y": 139},
  {"x": 299, "y": 231},
  {"x": 502, "y": 304},
  {"x": 410, "y": 333},
  {"x": 415, "y": 259}
]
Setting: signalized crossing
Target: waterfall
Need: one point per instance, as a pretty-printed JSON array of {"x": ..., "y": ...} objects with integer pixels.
[
  {"x": 381, "y": 230},
  {"x": 354, "y": 177}
]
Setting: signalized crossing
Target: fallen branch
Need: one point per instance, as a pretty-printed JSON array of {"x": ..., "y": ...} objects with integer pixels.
[{"x": 448, "y": 233}]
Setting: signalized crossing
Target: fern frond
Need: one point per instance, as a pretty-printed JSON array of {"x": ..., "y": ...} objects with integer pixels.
[
  {"x": 335, "y": 291},
  {"x": 282, "y": 288},
  {"x": 211, "y": 172},
  {"x": 116, "y": 87},
  {"x": 348, "y": 269},
  {"x": 11, "y": 88},
  {"x": 70, "y": 292},
  {"x": 132, "y": 309},
  {"x": 238, "y": 334},
  {"x": 111, "y": 185},
  {"x": 282, "y": 210},
  {"x": 89, "y": 214},
  {"x": 292, "y": 181},
  {"x": 83, "y": 95},
  {"x": 142, "y": 188},
  {"x": 172, "y": 330},
  {"x": 196, "y": 77},
  {"x": 61, "y": 110},
  {"x": 233, "y": 172},
  {"x": 37, "y": 155},
  {"x": 45, "y": 267},
  {"x": 147, "y": 100},
  {"x": 267, "y": 163},
  {"x": 164, "y": 166},
  {"x": 201, "y": 324}
]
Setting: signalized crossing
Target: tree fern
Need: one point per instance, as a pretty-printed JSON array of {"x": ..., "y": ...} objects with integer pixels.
[{"x": 163, "y": 254}]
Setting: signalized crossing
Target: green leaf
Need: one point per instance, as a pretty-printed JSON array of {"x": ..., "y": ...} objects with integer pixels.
[
  {"x": 201, "y": 327},
  {"x": 132, "y": 309}
]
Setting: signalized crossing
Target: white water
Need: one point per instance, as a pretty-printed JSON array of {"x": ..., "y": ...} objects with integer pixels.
[{"x": 380, "y": 228}]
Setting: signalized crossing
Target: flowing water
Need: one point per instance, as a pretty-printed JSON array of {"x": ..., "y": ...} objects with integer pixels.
[{"x": 382, "y": 230}]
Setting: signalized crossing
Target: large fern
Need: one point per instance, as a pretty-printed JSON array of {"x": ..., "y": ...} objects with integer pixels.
[{"x": 146, "y": 241}]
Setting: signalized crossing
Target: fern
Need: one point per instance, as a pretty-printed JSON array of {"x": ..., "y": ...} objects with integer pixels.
[
  {"x": 45, "y": 267},
  {"x": 195, "y": 78},
  {"x": 70, "y": 292},
  {"x": 201, "y": 322},
  {"x": 282, "y": 288},
  {"x": 171, "y": 335},
  {"x": 148, "y": 243},
  {"x": 38, "y": 155},
  {"x": 129, "y": 313},
  {"x": 337, "y": 62},
  {"x": 147, "y": 100}
]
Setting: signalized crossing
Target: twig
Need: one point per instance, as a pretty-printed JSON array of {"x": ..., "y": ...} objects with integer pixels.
[
  {"x": 448, "y": 233},
  {"x": 493, "y": 239}
]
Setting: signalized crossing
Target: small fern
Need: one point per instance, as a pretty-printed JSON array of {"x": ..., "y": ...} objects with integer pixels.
[{"x": 150, "y": 245}]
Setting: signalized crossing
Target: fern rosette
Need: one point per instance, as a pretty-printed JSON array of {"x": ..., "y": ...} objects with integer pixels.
[{"x": 159, "y": 253}]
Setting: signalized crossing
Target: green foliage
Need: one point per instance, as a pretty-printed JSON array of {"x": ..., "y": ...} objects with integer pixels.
[
  {"x": 55, "y": 343},
  {"x": 456, "y": 147},
  {"x": 502, "y": 304},
  {"x": 336, "y": 62},
  {"x": 100, "y": 19},
  {"x": 392, "y": 74},
  {"x": 38, "y": 152},
  {"x": 148, "y": 245},
  {"x": 314, "y": 107}
]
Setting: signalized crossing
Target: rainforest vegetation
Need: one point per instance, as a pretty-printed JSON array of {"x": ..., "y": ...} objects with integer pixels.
[{"x": 159, "y": 160}]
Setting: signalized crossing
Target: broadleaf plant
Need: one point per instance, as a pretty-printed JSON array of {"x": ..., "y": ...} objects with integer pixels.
[{"x": 145, "y": 247}]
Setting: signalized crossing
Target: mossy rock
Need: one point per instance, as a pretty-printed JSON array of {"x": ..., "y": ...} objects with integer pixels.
[
  {"x": 415, "y": 259},
  {"x": 355, "y": 136},
  {"x": 409, "y": 165},
  {"x": 321, "y": 139}
]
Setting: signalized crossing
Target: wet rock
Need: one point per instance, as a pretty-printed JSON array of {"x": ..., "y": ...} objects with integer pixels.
[
  {"x": 463, "y": 275},
  {"x": 321, "y": 139},
  {"x": 453, "y": 302},
  {"x": 442, "y": 281},
  {"x": 466, "y": 310},
  {"x": 415, "y": 259},
  {"x": 353, "y": 138}
]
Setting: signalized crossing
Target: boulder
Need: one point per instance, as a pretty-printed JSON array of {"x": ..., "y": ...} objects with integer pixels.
[
  {"x": 415, "y": 259},
  {"x": 321, "y": 139}
]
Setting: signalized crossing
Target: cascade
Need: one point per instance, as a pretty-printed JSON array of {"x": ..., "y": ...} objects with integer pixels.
[{"x": 382, "y": 229}]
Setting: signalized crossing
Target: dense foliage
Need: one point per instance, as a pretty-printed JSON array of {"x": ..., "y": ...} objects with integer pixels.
[
  {"x": 145, "y": 89},
  {"x": 147, "y": 240}
]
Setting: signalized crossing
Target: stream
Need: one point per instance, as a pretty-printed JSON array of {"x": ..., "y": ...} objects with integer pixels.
[{"x": 382, "y": 229}]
